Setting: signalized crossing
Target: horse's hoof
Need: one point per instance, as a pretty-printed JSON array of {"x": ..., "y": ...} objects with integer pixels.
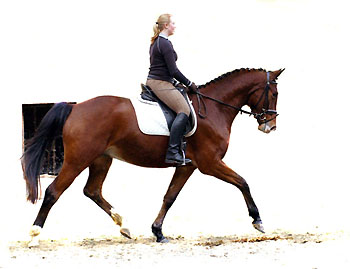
[
  {"x": 258, "y": 225},
  {"x": 34, "y": 232},
  {"x": 34, "y": 242},
  {"x": 125, "y": 232},
  {"x": 164, "y": 240}
]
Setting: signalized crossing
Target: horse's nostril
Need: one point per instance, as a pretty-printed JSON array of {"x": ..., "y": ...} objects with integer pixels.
[{"x": 273, "y": 128}]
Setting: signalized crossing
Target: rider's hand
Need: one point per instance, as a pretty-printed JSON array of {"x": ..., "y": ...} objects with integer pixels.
[{"x": 192, "y": 88}]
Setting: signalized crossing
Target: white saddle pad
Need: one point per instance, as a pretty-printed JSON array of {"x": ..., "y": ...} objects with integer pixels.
[{"x": 151, "y": 120}]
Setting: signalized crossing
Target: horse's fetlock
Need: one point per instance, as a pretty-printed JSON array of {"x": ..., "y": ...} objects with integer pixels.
[
  {"x": 157, "y": 231},
  {"x": 254, "y": 213},
  {"x": 156, "y": 227}
]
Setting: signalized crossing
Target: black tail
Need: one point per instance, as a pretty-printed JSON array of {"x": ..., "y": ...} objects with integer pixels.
[{"x": 32, "y": 159}]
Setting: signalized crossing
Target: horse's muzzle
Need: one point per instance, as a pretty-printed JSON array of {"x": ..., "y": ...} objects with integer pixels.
[{"x": 268, "y": 127}]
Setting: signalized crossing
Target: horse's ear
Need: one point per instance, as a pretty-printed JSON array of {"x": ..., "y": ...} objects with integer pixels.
[{"x": 277, "y": 73}]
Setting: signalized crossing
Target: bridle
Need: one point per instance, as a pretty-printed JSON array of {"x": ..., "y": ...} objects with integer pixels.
[
  {"x": 266, "y": 104},
  {"x": 261, "y": 117}
]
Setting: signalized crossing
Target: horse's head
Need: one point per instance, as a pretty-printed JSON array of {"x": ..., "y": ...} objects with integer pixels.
[{"x": 263, "y": 101}]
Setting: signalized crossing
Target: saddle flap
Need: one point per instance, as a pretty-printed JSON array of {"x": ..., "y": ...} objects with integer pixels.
[{"x": 148, "y": 96}]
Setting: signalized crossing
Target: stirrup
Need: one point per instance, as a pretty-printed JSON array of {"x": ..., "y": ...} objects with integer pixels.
[
  {"x": 177, "y": 159},
  {"x": 177, "y": 163},
  {"x": 185, "y": 161}
]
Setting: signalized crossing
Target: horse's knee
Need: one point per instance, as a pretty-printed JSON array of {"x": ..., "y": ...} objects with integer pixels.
[{"x": 226, "y": 174}]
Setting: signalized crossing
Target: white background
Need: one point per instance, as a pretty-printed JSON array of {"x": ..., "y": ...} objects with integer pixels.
[{"x": 52, "y": 51}]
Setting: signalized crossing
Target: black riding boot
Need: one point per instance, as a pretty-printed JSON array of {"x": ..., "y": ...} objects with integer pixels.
[{"x": 175, "y": 154}]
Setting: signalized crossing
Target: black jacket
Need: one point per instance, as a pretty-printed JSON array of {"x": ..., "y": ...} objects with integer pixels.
[{"x": 163, "y": 62}]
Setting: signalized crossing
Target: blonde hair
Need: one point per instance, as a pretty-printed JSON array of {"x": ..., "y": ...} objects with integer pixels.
[{"x": 159, "y": 25}]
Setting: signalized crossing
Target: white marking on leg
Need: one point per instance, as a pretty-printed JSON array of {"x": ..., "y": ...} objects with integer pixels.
[
  {"x": 119, "y": 221},
  {"x": 33, "y": 233},
  {"x": 116, "y": 217}
]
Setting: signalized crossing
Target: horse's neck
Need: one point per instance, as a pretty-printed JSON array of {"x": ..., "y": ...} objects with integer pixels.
[{"x": 233, "y": 91}]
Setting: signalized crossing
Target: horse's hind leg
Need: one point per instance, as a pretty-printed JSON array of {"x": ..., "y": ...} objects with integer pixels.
[
  {"x": 52, "y": 194},
  {"x": 93, "y": 189}
]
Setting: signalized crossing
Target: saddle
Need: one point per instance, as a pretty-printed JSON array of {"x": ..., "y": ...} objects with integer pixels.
[{"x": 148, "y": 98}]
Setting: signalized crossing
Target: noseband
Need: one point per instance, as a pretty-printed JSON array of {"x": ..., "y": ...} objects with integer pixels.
[{"x": 261, "y": 117}]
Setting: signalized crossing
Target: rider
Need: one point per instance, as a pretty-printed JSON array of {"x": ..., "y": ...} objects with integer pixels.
[{"x": 162, "y": 72}]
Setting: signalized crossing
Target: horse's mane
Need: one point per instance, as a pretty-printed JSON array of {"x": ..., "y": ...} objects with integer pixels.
[{"x": 236, "y": 71}]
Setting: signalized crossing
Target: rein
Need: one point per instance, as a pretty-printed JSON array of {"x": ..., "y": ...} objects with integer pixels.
[{"x": 258, "y": 116}]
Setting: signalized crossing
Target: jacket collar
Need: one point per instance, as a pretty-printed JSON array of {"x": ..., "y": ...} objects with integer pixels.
[{"x": 163, "y": 35}]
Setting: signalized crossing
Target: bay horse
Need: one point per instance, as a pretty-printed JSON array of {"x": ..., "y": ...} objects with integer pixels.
[{"x": 100, "y": 129}]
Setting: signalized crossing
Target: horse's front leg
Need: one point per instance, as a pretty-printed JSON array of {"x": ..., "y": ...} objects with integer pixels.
[
  {"x": 179, "y": 179},
  {"x": 221, "y": 171}
]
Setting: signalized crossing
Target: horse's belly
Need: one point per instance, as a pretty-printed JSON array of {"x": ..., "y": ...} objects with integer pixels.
[
  {"x": 113, "y": 152},
  {"x": 137, "y": 157}
]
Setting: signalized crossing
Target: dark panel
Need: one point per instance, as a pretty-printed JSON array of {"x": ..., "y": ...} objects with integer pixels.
[{"x": 32, "y": 116}]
